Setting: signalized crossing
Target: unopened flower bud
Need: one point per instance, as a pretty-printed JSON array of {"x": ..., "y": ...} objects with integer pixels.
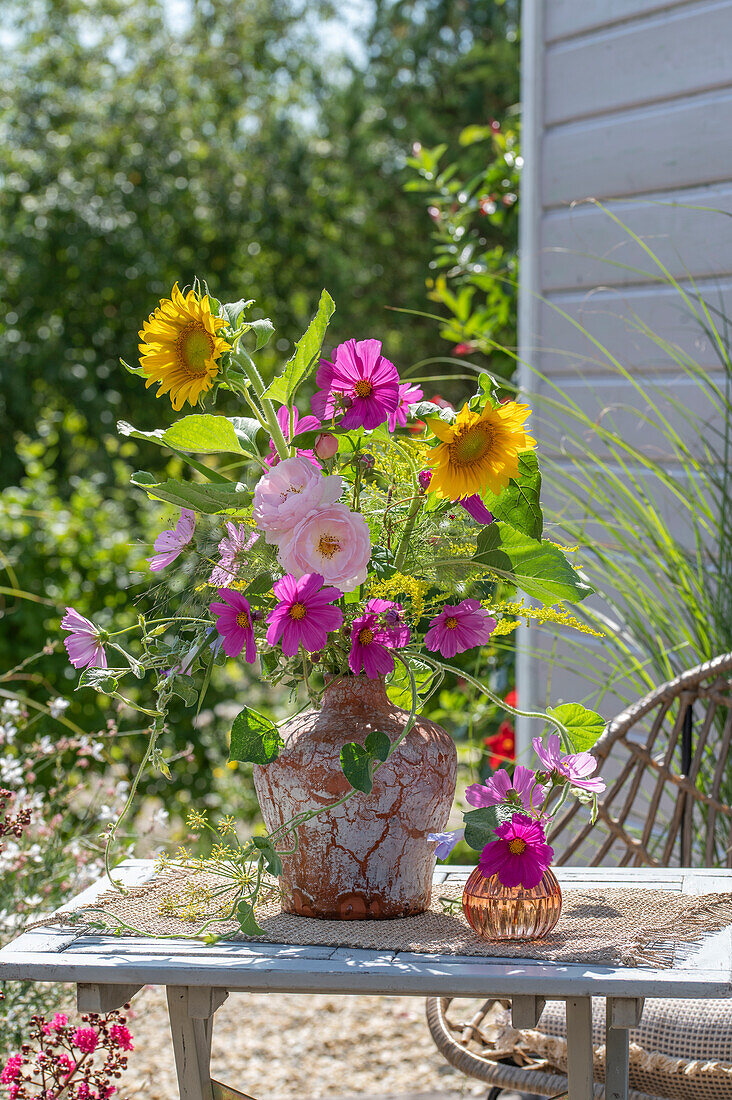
[
  {"x": 257, "y": 615},
  {"x": 366, "y": 461},
  {"x": 326, "y": 445},
  {"x": 424, "y": 477},
  {"x": 392, "y": 617}
]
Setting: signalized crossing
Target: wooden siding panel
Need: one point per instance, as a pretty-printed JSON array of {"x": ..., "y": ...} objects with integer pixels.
[
  {"x": 659, "y": 148},
  {"x": 566, "y": 18},
  {"x": 673, "y": 54}
]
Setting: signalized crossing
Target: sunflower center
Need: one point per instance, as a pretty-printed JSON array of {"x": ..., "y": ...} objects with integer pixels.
[
  {"x": 363, "y": 388},
  {"x": 517, "y": 846},
  {"x": 451, "y": 623},
  {"x": 194, "y": 347},
  {"x": 297, "y": 611},
  {"x": 242, "y": 620},
  {"x": 472, "y": 445},
  {"x": 366, "y": 636},
  {"x": 328, "y": 545}
]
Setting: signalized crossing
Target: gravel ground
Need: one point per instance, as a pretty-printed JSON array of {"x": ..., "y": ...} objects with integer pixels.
[{"x": 278, "y": 1047}]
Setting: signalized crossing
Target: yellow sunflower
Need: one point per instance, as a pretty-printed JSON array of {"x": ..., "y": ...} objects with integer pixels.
[
  {"x": 479, "y": 451},
  {"x": 180, "y": 348}
]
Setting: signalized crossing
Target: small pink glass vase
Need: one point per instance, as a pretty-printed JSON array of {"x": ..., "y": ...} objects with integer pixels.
[{"x": 498, "y": 912}]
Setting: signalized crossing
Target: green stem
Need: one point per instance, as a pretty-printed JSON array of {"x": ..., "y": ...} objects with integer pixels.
[
  {"x": 248, "y": 365},
  {"x": 125, "y": 810},
  {"x": 417, "y": 504}
]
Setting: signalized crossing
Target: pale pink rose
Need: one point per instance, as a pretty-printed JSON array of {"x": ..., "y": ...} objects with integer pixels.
[
  {"x": 332, "y": 541},
  {"x": 288, "y": 493}
]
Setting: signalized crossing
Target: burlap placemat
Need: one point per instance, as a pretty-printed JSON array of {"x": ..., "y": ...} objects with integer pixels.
[{"x": 621, "y": 927}]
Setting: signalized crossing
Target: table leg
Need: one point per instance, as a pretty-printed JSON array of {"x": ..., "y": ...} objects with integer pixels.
[
  {"x": 579, "y": 1048},
  {"x": 191, "y": 1045},
  {"x": 622, "y": 1014}
]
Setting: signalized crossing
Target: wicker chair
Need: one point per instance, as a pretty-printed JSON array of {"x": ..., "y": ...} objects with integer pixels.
[{"x": 665, "y": 761}]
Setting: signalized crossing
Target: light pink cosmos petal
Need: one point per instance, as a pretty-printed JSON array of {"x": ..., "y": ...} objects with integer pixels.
[
  {"x": 306, "y": 424},
  {"x": 186, "y": 525},
  {"x": 578, "y": 765},
  {"x": 160, "y": 561},
  {"x": 166, "y": 541},
  {"x": 72, "y": 620}
]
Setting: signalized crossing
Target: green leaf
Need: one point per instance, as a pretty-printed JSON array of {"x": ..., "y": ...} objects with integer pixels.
[
  {"x": 519, "y": 503},
  {"x": 208, "y": 499},
  {"x": 356, "y": 764},
  {"x": 471, "y": 134},
  {"x": 132, "y": 370},
  {"x": 270, "y": 855},
  {"x": 480, "y": 826},
  {"x": 254, "y": 738},
  {"x": 539, "y": 569},
  {"x": 234, "y": 310},
  {"x": 260, "y": 584},
  {"x": 202, "y": 433},
  {"x": 247, "y": 919},
  {"x": 585, "y": 727},
  {"x": 424, "y": 410},
  {"x": 378, "y": 744},
  {"x": 307, "y": 352},
  {"x": 104, "y": 680},
  {"x": 184, "y": 689},
  {"x": 263, "y": 331}
]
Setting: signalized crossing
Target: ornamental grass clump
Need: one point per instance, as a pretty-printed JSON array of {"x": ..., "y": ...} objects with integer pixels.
[{"x": 367, "y": 532}]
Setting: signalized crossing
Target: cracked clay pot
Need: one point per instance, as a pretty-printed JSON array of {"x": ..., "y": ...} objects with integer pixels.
[{"x": 369, "y": 858}]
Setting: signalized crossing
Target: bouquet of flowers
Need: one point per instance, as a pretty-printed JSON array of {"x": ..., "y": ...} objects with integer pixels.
[{"x": 372, "y": 533}]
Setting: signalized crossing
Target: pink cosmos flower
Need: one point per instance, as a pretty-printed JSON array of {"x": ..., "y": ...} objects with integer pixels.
[
  {"x": 391, "y": 614},
  {"x": 121, "y": 1036},
  {"x": 171, "y": 543},
  {"x": 519, "y": 856},
  {"x": 233, "y": 549},
  {"x": 519, "y": 789},
  {"x": 370, "y": 644},
  {"x": 86, "y": 1039},
  {"x": 288, "y": 493},
  {"x": 332, "y": 541},
  {"x": 234, "y": 624},
  {"x": 408, "y": 395},
  {"x": 445, "y": 842},
  {"x": 84, "y": 643},
  {"x": 300, "y": 424},
  {"x": 361, "y": 381},
  {"x": 576, "y": 768},
  {"x": 304, "y": 615},
  {"x": 459, "y": 627}
]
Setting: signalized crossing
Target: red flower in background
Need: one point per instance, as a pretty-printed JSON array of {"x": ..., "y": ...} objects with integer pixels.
[{"x": 502, "y": 744}]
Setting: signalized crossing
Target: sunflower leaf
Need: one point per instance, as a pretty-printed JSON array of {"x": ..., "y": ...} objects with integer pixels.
[
  {"x": 263, "y": 331},
  {"x": 234, "y": 310},
  {"x": 202, "y": 433},
  {"x": 306, "y": 354},
  {"x": 519, "y": 503},
  {"x": 539, "y": 569},
  {"x": 425, "y": 409},
  {"x": 210, "y": 500}
]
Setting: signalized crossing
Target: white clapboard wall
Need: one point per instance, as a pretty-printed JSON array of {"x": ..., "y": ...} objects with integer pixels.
[{"x": 631, "y": 101}]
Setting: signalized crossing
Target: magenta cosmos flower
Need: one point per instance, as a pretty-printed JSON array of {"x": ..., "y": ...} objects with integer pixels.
[
  {"x": 233, "y": 550},
  {"x": 408, "y": 395},
  {"x": 332, "y": 541},
  {"x": 361, "y": 382},
  {"x": 520, "y": 789},
  {"x": 370, "y": 645},
  {"x": 304, "y": 615},
  {"x": 234, "y": 623},
  {"x": 84, "y": 644},
  {"x": 459, "y": 627},
  {"x": 171, "y": 543},
  {"x": 300, "y": 424},
  {"x": 519, "y": 856},
  {"x": 288, "y": 493},
  {"x": 576, "y": 768}
]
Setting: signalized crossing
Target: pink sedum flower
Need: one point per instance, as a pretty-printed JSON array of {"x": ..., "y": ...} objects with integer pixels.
[
  {"x": 332, "y": 541},
  {"x": 85, "y": 1039},
  {"x": 121, "y": 1036},
  {"x": 576, "y": 768},
  {"x": 519, "y": 855},
  {"x": 361, "y": 381},
  {"x": 60, "y": 1020},
  {"x": 170, "y": 544},
  {"x": 300, "y": 424},
  {"x": 289, "y": 492},
  {"x": 11, "y": 1069},
  {"x": 233, "y": 550},
  {"x": 408, "y": 395},
  {"x": 304, "y": 616},
  {"x": 234, "y": 623},
  {"x": 459, "y": 627},
  {"x": 84, "y": 643},
  {"x": 521, "y": 789}
]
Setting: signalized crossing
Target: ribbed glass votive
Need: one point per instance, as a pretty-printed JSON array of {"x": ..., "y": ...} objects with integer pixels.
[{"x": 498, "y": 912}]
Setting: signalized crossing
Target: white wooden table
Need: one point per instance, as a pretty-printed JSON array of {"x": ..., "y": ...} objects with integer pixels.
[{"x": 109, "y": 970}]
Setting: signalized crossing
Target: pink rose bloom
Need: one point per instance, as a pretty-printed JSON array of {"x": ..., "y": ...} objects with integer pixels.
[
  {"x": 519, "y": 856},
  {"x": 332, "y": 541},
  {"x": 519, "y": 789},
  {"x": 459, "y": 627},
  {"x": 576, "y": 768},
  {"x": 300, "y": 424},
  {"x": 86, "y": 1039},
  {"x": 84, "y": 643},
  {"x": 233, "y": 550},
  {"x": 408, "y": 395},
  {"x": 305, "y": 615},
  {"x": 234, "y": 624},
  {"x": 171, "y": 543},
  {"x": 288, "y": 493},
  {"x": 360, "y": 381}
]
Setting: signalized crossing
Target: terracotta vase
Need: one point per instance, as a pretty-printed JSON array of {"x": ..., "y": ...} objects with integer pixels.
[
  {"x": 370, "y": 857},
  {"x": 498, "y": 912}
]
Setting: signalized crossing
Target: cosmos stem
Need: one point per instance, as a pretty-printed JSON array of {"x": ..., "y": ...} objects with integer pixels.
[{"x": 248, "y": 365}]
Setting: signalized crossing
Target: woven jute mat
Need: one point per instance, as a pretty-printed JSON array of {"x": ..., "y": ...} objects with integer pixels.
[{"x": 621, "y": 927}]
